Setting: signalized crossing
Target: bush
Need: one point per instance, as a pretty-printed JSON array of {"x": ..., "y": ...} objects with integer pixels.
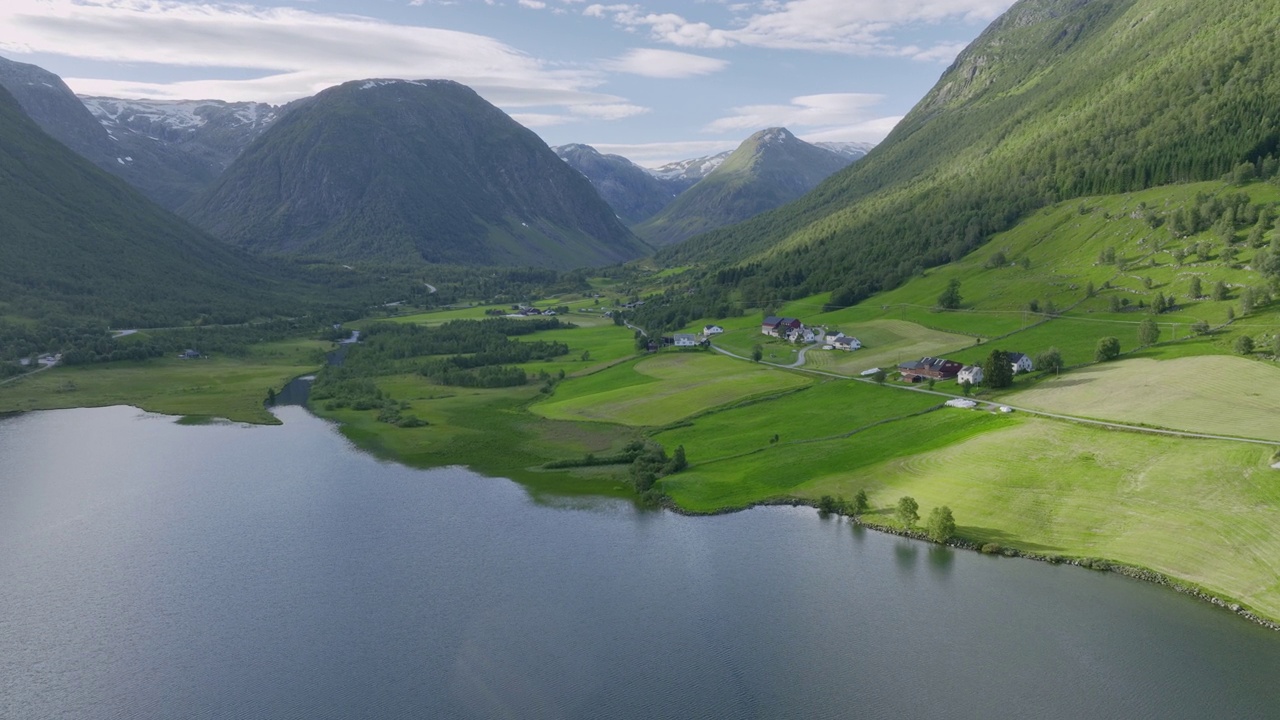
[{"x": 991, "y": 549}]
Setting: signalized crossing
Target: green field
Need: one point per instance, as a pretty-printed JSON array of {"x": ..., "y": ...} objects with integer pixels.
[
  {"x": 225, "y": 387},
  {"x": 663, "y": 389},
  {"x": 1205, "y": 511},
  {"x": 1218, "y": 395}
]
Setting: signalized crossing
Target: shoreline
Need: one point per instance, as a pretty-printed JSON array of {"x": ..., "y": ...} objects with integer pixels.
[{"x": 1134, "y": 572}]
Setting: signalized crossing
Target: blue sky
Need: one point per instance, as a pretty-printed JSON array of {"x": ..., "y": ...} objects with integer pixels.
[{"x": 654, "y": 80}]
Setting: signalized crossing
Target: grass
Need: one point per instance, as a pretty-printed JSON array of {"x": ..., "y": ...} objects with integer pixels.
[
  {"x": 1204, "y": 511},
  {"x": 663, "y": 389},
  {"x": 885, "y": 344},
  {"x": 1218, "y": 395},
  {"x": 224, "y": 387},
  {"x": 820, "y": 411}
]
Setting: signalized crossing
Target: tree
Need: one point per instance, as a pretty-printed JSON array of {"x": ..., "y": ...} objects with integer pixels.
[
  {"x": 941, "y": 525},
  {"x": 1247, "y": 300},
  {"x": 997, "y": 371},
  {"x": 1244, "y": 345},
  {"x": 860, "y": 503},
  {"x": 678, "y": 460},
  {"x": 1219, "y": 291},
  {"x": 950, "y": 298},
  {"x": 1193, "y": 289},
  {"x": 1050, "y": 360},
  {"x": 1200, "y": 327},
  {"x": 1113, "y": 303},
  {"x": 1090, "y": 290},
  {"x": 586, "y": 355},
  {"x": 879, "y": 376},
  {"x": 1108, "y": 349},
  {"x": 271, "y": 396},
  {"x": 966, "y": 387},
  {"x": 1275, "y": 345},
  {"x": 1148, "y": 333},
  {"x": 757, "y": 353},
  {"x": 908, "y": 511}
]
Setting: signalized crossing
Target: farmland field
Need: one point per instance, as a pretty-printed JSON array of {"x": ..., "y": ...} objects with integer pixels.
[
  {"x": 1220, "y": 395},
  {"x": 663, "y": 389}
]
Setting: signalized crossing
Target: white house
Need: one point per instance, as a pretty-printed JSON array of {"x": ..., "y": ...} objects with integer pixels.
[
  {"x": 1021, "y": 363},
  {"x": 712, "y": 330},
  {"x": 845, "y": 342},
  {"x": 971, "y": 374},
  {"x": 686, "y": 340},
  {"x": 801, "y": 334}
]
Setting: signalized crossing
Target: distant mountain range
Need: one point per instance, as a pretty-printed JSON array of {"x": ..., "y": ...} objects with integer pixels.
[
  {"x": 632, "y": 191},
  {"x": 77, "y": 242},
  {"x": 410, "y": 171},
  {"x": 169, "y": 151},
  {"x": 668, "y": 204},
  {"x": 768, "y": 170}
]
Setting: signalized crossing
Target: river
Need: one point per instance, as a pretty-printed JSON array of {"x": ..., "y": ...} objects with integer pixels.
[{"x": 156, "y": 570}]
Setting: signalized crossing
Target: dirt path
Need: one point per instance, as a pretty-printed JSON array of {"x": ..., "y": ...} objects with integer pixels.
[{"x": 40, "y": 369}]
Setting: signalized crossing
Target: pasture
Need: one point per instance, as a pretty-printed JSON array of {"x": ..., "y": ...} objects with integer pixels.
[
  {"x": 663, "y": 389},
  {"x": 1219, "y": 395}
]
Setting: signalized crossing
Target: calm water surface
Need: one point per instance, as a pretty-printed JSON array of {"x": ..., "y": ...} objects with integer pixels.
[{"x": 152, "y": 570}]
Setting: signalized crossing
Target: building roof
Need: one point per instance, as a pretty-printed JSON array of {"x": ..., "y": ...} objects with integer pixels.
[
  {"x": 1015, "y": 356},
  {"x": 772, "y": 320},
  {"x": 686, "y": 336}
]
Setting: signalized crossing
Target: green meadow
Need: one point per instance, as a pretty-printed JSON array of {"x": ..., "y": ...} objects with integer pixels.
[
  {"x": 220, "y": 386},
  {"x": 664, "y": 389}
]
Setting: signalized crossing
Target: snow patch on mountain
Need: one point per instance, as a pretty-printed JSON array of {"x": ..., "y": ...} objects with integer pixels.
[{"x": 693, "y": 168}]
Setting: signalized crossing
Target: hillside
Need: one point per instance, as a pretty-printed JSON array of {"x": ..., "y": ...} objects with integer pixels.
[
  {"x": 166, "y": 172},
  {"x": 75, "y": 241},
  {"x": 410, "y": 171},
  {"x": 630, "y": 190},
  {"x": 1057, "y": 99},
  {"x": 769, "y": 169}
]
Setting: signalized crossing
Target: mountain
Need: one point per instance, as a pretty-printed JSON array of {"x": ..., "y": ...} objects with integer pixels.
[
  {"x": 410, "y": 171},
  {"x": 770, "y": 168},
  {"x": 76, "y": 241},
  {"x": 628, "y": 188},
  {"x": 163, "y": 171},
  {"x": 684, "y": 174},
  {"x": 1057, "y": 99},
  {"x": 207, "y": 133},
  {"x": 851, "y": 150}
]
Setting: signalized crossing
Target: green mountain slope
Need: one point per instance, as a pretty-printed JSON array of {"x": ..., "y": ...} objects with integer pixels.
[
  {"x": 769, "y": 169},
  {"x": 75, "y": 241},
  {"x": 410, "y": 171},
  {"x": 1057, "y": 99}
]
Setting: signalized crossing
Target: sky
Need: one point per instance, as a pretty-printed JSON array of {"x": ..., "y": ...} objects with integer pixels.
[{"x": 652, "y": 80}]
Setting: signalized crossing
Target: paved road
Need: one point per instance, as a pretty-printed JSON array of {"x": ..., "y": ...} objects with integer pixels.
[
  {"x": 1028, "y": 411},
  {"x": 16, "y": 378}
]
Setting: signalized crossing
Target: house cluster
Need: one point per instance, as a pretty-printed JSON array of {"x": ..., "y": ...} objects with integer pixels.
[
  {"x": 931, "y": 368},
  {"x": 793, "y": 330},
  {"x": 529, "y": 310}
]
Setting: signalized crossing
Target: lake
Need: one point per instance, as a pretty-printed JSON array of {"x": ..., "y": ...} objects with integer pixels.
[{"x": 156, "y": 570}]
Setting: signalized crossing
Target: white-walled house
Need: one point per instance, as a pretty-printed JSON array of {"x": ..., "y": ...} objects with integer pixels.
[
  {"x": 686, "y": 340},
  {"x": 844, "y": 342},
  {"x": 1021, "y": 363},
  {"x": 712, "y": 330},
  {"x": 971, "y": 374}
]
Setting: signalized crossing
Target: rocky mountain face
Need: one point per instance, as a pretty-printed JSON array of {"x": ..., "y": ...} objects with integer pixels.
[
  {"x": 78, "y": 242},
  {"x": 684, "y": 174},
  {"x": 396, "y": 170},
  {"x": 169, "y": 151},
  {"x": 630, "y": 190},
  {"x": 769, "y": 169}
]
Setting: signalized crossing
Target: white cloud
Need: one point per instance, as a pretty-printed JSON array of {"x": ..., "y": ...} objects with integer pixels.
[
  {"x": 293, "y": 52},
  {"x": 664, "y": 64},
  {"x": 870, "y": 131},
  {"x": 856, "y": 27},
  {"x": 661, "y": 153},
  {"x": 532, "y": 4},
  {"x": 827, "y": 109}
]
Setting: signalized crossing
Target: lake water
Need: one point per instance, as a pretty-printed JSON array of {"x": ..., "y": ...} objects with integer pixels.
[{"x": 154, "y": 570}]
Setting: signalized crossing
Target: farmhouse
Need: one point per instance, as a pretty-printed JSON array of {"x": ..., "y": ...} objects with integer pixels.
[
  {"x": 712, "y": 330},
  {"x": 189, "y": 355},
  {"x": 1021, "y": 363},
  {"x": 801, "y": 334},
  {"x": 686, "y": 340},
  {"x": 844, "y": 342},
  {"x": 929, "y": 369},
  {"x": 971, "y": 374},
  {"x": 779, "y": 327}
]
